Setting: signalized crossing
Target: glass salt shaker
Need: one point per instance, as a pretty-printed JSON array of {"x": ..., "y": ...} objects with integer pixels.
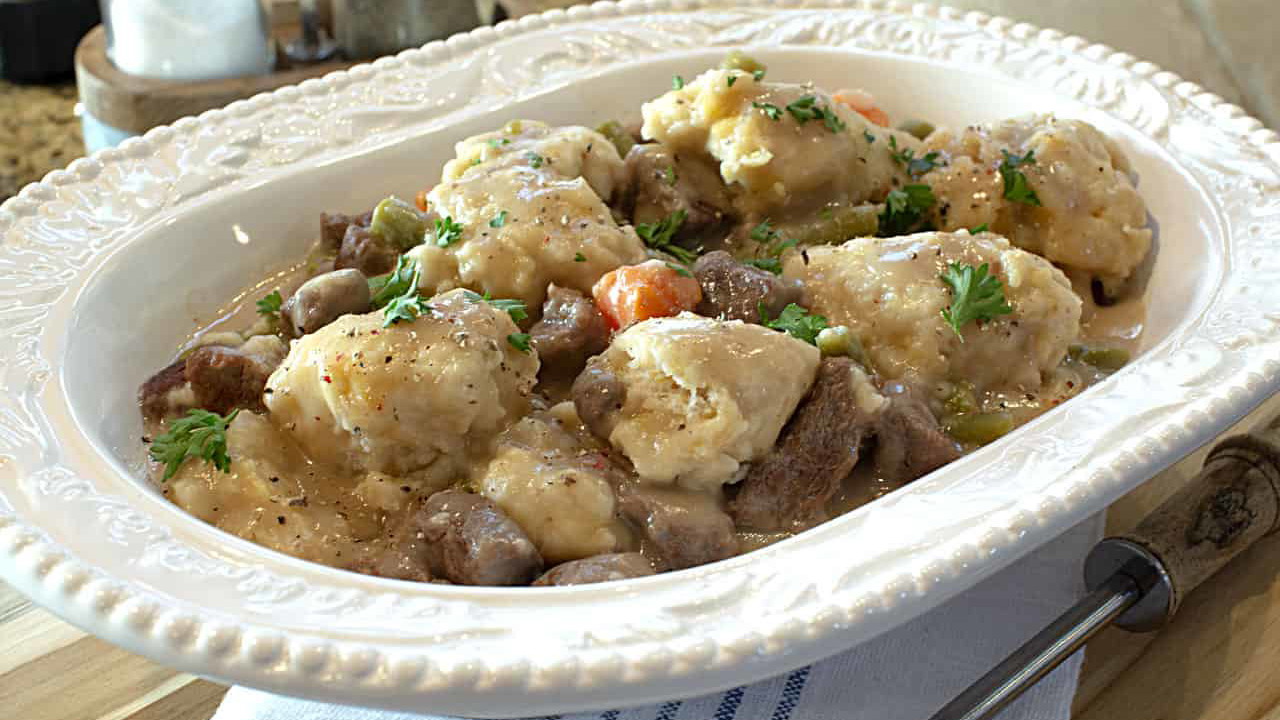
[{"x": 189, "y": 39}]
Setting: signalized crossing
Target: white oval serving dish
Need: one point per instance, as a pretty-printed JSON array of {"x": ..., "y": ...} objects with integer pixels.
[{"x": 105, "y": 267}]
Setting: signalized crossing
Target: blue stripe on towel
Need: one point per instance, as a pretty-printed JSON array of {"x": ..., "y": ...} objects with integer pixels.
[
  {"x": 791, "y": 694},
  {"x": 609, "y": 715},
  {"x": 668, "y": 710},
  {"x": 729, "y": 704}
]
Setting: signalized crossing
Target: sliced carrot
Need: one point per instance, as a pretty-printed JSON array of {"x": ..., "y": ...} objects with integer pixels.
[
  {"x": 651, "y": 289},
  {"x": 421, "y": 199},
  {"x": 864, "y": 104}
]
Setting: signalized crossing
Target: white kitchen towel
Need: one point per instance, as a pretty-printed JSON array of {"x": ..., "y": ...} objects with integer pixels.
[{"x": 905, "y": 674}]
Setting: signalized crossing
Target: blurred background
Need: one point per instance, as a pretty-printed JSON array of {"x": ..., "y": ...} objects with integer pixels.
[{"x": 77, "y": 72}]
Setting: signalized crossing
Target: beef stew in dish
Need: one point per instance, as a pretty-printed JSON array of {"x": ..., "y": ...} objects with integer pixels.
[{"x": 590, "y": 355}]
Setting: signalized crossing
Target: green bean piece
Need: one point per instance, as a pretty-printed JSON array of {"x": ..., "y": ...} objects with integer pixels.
[
  {"x": 836, "y": 226},
  {"x": 617, "y": 135},
  {"x": 399, "y": 223},
  {"x": 979, "y": 428},
  {"x": 839, "y": 340},
  {"x": 738, "y": 60},
  {"x": 962, "y": 400},
  {"x": 1107, "y": 359},
  {"x": 919, "y": 128}
]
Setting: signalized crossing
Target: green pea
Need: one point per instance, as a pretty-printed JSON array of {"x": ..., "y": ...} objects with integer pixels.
[
  {"x": 919, "y": 128},
  {"x": 738, "y": 60},
  {"x": 839, "y": 340},
  {"x": 399, "y": 223},
  {"x": 617, "y": 135},
  {"x": 979, "y": 428},
  {"x": 1108, "y": 359}
]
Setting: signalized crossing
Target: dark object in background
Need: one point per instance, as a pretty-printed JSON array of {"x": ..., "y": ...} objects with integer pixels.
[{"x": 38, "y": 37}]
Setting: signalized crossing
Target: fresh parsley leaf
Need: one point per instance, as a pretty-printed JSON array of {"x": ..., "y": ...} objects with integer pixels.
[
  {"x": 535, "y": 160},
  {"x": 495, "y": 143},
  {"x": 448, "y": 232},
  {"x": 270, "y": 305},
  {"x": 904, "y": 209},
  {"x": 499, "y": 220},
  {"x": 781, "y": 247},
  {"x": 916, "y": 166},
  {"x": 201, "y": 434},
  {"x": 1016, "y": 187},
  {"x": 385, "y": 288},
  {"x": 806, "y": 108},
  {"x": 975, "y": 295},
  {"x": 763, "y": 232},
  {"x": 519, "y": 341},
  {"x": 407, "y": 306},
  {"x": 773, "y": 265},
  {"x": 680, "y": 270},
  {"x": 515, "y": 308},
  {"x": 729, "y": 81},
  {"x": 981, "y": 228},
  {"x": 758, "y": 75},
  {"x": 794, "y": 321},
  {"x": 772, "y": 111},
  {"x": 669, "y": 175},
  {"x": 660, "y": 236},
  {"x": 677, "y": 82},
  {"x": 579, "y": 257}
]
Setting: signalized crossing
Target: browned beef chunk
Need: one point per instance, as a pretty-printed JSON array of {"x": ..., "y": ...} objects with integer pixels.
[
  {"x": 155, "y": 394},
  {"x": 468, "y": 540},
  {"x": 597, "y": 569},
  {"x": 224, "y": 378},
  {"x": 790, "y": 488},
  {"x": 570, "y": 331},
  {"x": 736, "y": 291},
  {"x": 909, "y": 441},
  {"x": 660, "y": 183},
  {"x": 598, "y": 395},
  {"x": 364, "y": 251},
  {"x": 680, "y": 527},
  {"x": 333, "y": 227},
  {"x": 395, "y": 565},
  {"x": 325, "y": 298}
]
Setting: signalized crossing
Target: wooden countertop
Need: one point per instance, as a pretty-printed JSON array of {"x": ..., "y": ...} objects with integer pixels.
[{"x": 1219, "y": 660}]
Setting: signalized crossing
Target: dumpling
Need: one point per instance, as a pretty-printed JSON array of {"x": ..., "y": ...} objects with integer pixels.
[
  {"x": 1089, "y": 218},
  {"x": 556, "y": 488},
  {"x": 418, "y": 397},
  {"x": 778, "y": 163},
  {"x": 888, "y": 291},
  {"x": 700, "y": 396},
  {"x": 532, "y": 212}
]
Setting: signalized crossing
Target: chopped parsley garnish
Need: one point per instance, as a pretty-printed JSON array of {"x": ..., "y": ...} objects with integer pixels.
[
  {"x": 773, "y": 111},
  {"x": 763, "y": 232},
  {"x": 660, "y": 236},
  {"x": 773, "y": 265},
  {"x": 385, "y": 288},
  {"x": 794, "y": 321},
  {"x": 980, "y": 229},
  {"x": 407, "y": 306},
  {"x": 975, "y": 295},
  {"x": 1016, "y": 187},
  {"x": 916, "y": 166},
  {"x": 499, "y": 220},
  {"x": 869, "y": 137},
  {"x": 270, "y": 305},
  {"x": 495, "y": 142},
  {"x": 758, "y": 75},
  {"x": 535, "y": 160},
  {"x": 677, "y": 82},
  {"x": 515, "y": 308},
  {"x": 448, "y": 232},
  {"x": 680, "y": 270},
  {"x": 579, "y": 257},
  {"x": 904, "y": 209},
  {"x": 201, "y": 434},
  {"x": 731, "y": 80},
  {"x": 669, "y": 175},
  {"x": 807, "y": 108},
  {"x": 519, "y": 341}
]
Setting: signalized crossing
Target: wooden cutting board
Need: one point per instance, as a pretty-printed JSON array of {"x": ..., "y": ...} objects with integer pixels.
[{"x": 1220, "y": 660}]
